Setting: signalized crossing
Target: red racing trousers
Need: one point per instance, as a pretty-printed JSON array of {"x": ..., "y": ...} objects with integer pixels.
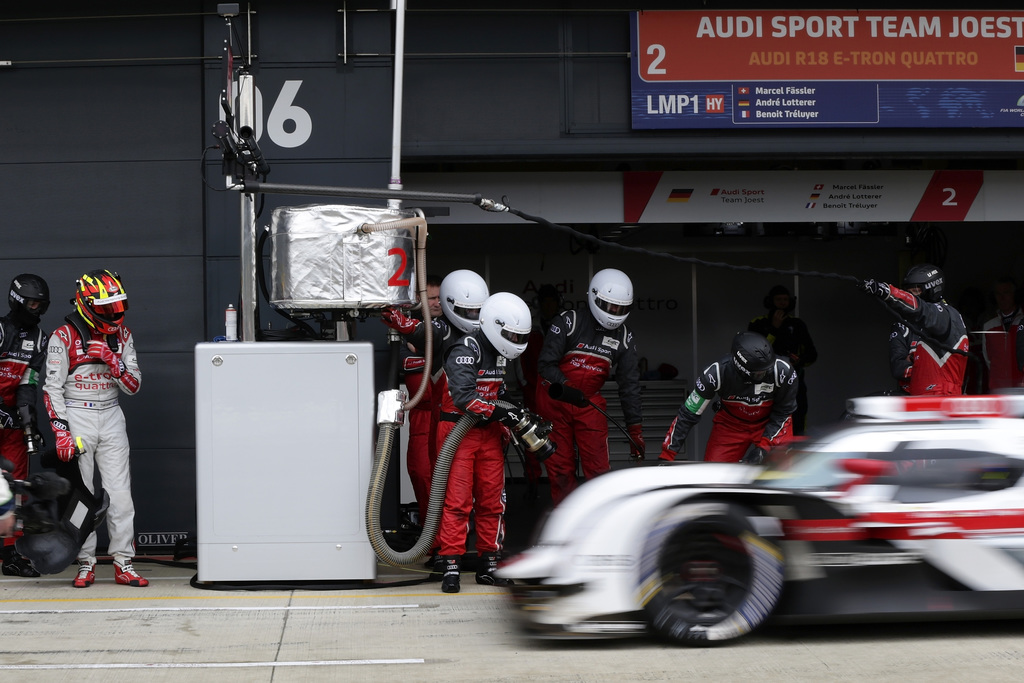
[
  {"x": 574, "y": 429},
  {"x": 421, "y": 453},
  {"x": 730, "y": 438},
  {"x": 476, "y": 482},
  {"x": 12, "y": 447}
]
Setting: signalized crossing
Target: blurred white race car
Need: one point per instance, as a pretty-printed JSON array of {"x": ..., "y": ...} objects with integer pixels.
[{"x": 912, "y": 509}]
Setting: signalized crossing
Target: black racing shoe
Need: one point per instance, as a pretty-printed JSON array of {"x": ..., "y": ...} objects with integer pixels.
[
  {"x": 16, "y": 564},
  {"x": 450, "y": 582},
  {"x": 485, "y": 574}
]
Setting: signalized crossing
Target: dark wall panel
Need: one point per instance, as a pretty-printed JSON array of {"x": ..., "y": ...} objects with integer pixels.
[
  {"x": 106, "y": 209},
  {"x": 91, "y": 114}
]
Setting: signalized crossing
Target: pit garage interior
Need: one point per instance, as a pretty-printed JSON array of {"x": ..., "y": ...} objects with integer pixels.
[{"x": 107, "y": 160}]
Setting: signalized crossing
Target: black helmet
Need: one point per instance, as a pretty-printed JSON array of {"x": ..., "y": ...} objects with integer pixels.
[
  {"x": 752, "y": 355},
  {"x": 24, "y": 288},
  {"x": 929, "y": 278}
]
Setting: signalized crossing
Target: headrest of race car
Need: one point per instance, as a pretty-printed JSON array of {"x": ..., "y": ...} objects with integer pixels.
[{"x": 937, "y": 407}]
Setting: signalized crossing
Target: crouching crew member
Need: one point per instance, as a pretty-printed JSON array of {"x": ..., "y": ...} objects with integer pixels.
[{"x": 757, "y": 397}]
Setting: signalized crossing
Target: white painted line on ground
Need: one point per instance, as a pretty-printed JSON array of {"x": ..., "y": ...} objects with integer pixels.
[
  {"x": 294, "y": 608},
  {"x": 99, "y": 579},
  {"x": 205, "y": 665}
]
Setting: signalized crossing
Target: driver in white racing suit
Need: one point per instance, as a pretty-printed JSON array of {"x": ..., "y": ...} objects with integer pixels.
[{"x": 89, "y": 361}]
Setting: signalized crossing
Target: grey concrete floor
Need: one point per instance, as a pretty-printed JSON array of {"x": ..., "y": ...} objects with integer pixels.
[{"x": 173, "y": 631}]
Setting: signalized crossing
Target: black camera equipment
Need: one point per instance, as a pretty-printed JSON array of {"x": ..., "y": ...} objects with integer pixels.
[
  {"x": 56, "y": 514},
  {"x": 33, "y": 440}
]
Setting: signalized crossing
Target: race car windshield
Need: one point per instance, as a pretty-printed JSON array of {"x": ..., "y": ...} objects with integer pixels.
[
  {"x": 958, "y": 470},
  {"x": 797, "y": 469}
]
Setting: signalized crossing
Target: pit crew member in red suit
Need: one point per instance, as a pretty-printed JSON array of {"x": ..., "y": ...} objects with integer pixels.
[
  {"x": 549, "y": 305},
  {"x": 22, "y": 352},
  {"x": 476, "y": 369},
  {"x": 421, "y": 452},
  {"x": 461, "y": 293},
  {"x": 580, "y": 352},
  {"x": 940, "y": 356},
  {"x": 902, "y": 342},
  {"x": 757, "y": 394},
  {"x": 89, "y": 361}
]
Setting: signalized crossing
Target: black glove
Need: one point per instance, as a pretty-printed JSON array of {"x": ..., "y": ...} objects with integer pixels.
[
  {"x": 754, "y": 455},
  {"x": 876, "y": 288},
  {"x": 9, "y": 417},
  {"x": 563, "y": 392}
]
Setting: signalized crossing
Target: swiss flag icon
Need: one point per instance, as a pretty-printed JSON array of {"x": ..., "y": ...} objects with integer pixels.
[{"x": 743, "y": 90}]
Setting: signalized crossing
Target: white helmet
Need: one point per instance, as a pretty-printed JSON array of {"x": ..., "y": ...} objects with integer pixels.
[
  {"x": 610, "y": 297},
  {"x": 463, "y": 292},
  {"x": 506, "y": 321}
]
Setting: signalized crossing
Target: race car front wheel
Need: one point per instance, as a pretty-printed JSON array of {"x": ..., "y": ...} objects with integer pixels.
[{"x": 705, "y": 576}]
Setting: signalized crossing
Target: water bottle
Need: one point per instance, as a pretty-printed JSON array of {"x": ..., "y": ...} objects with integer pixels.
[{"x": 231, "y": 323}]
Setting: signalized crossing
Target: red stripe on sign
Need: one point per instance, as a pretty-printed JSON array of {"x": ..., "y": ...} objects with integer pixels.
[
  {"x": 949, "y": 196},
  {"x": 637, "y": 189}
]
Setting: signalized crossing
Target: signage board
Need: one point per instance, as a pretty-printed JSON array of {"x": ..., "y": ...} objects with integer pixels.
[{"x": 827, "y": 68}]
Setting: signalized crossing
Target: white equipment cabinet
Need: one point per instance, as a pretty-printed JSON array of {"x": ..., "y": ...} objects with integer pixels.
[{"x": 284, "y": 448}]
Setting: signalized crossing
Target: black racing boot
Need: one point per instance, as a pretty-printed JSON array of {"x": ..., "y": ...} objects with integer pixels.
[
  {"x": 16, "y": 564},
  {"x": 487, "y": 565},
  {"x": 436, "y": 564},
  {"x": 450, "y": 582}
]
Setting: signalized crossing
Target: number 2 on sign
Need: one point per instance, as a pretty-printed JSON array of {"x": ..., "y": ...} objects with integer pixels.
[
  {"x": 950, "y": 199},
  {"x": 396, "y": 279}
]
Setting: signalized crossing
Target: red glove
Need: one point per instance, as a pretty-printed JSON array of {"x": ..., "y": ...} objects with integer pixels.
[
  {"x": 637, "y": 449},
  {"x": 100, "y": 349},
  {"x": 667, "y": 455},
  {"x": 396, "y": 320},
  {"x": 67, "y": 446}
]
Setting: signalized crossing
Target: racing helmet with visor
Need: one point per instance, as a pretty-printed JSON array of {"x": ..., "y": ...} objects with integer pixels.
[
  {"x": 29, "y": 297},
  {"x": 752, "y": 355},
  {"x": 610, "y": 297},
  {"x": 506, "y": 321},
  {"x": 927, "y": 279},
  {"x": 463, "y": 292},
  {"x": 101, "y": 300}
]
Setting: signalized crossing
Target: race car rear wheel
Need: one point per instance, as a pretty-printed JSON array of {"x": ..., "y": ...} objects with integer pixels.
[{"x": 705, "y": 576}]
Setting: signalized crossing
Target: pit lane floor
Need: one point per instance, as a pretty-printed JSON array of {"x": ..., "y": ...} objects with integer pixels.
[{"x": 173, "y": 631}]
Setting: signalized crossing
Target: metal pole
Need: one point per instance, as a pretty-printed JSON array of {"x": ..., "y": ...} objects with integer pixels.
[
  {"x": 247, "y": 246},
  {"x": 396, "y": 113},
  {"x": 256, "y": 186}
]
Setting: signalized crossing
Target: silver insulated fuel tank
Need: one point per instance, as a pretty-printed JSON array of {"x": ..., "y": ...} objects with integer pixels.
[{"x": 322, "y": 258}]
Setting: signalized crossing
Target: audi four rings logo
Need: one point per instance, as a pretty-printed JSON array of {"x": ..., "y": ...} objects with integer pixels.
[{"x": 463, "y": 360}]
